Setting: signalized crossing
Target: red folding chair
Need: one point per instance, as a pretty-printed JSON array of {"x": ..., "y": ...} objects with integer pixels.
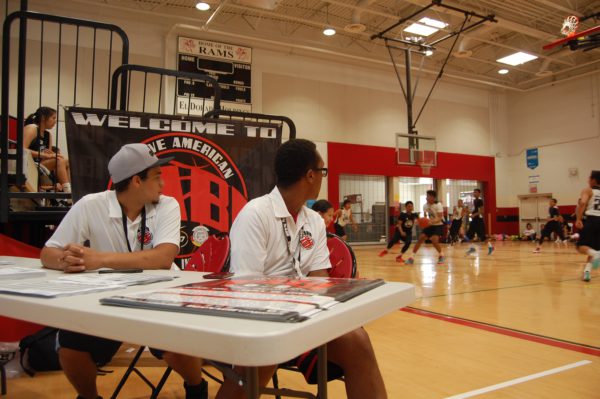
[
  {"x": 212, "y": 256},
  {"x": 341, "y": 257}
]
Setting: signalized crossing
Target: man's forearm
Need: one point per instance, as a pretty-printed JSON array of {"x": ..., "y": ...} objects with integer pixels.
[{"x": 150, "y": 259}]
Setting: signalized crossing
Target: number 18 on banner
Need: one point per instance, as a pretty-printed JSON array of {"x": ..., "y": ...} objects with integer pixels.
[{"x": 532, "y": 158}]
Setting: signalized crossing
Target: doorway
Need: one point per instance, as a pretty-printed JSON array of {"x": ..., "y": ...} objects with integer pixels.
[{"x": 533, "y": 208}]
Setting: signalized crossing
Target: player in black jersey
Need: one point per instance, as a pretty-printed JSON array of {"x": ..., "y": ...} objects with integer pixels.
[
  {"x": 589, "y": 235},
  {"x": 477, "y": 225},
  {"x": 403, "y": 230},
  {"x": 552, "y": 225}
]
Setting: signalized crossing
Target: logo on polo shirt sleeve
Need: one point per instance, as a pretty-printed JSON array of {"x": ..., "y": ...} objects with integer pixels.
[{"x": 306, "y": 240}]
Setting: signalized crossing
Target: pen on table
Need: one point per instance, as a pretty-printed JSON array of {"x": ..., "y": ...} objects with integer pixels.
[{"x": 105, "y": 271}]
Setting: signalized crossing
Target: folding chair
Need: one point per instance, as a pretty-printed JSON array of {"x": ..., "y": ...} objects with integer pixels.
[
  {"x": 343, "y": 265},
  {"x": 212, "y": 256},
  {"x": 341, "y": 257}
]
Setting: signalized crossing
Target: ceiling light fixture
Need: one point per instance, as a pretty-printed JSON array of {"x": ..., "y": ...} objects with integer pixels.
[
  {"x": 329, "y": 30},
  {"x": 426, "y": 27},
  {"x": 433, "y": 22},
  {"x": 428, "y": 52},
  {"x": 202, "y": 6},
  {"x": 503, "y": 71},
  {"x": 419, "y": 29},
  {"x": 517, "y": 58}
]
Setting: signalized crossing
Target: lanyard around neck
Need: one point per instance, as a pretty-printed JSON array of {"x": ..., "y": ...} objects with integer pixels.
[
  {"x": 297, "y": 252},
  {"x": 143, "y": 231}
]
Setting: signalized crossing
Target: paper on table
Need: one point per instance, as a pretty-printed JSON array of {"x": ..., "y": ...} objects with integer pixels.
[
  {"x": 15, "y": 273},
  {"x": 115, "y": 278},
  {"x": 53, "y": 288}
]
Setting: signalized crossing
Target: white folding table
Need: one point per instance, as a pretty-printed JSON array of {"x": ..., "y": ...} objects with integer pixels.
[{"x": 236, "y": 341}]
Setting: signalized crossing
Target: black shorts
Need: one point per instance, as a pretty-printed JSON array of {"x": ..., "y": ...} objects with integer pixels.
[
  {"x": 307, "y": 364},
  {"x": 339, "y": 230},
  {"x": 101, "y": 350},
  {"x": 589, "y": 236},
  {"x": 431, "y": 231}
]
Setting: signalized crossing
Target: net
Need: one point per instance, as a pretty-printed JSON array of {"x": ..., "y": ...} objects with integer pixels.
[
  {"x": 569, "y": 25},
  {"x": 425, "y": 167}
]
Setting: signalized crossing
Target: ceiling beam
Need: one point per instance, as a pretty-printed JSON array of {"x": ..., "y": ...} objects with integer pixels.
[{"x": 567, "y": 11}]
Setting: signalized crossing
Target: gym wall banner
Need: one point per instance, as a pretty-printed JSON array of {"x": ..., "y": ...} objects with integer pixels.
[
  {"x": 229, "y": 64},
  {"x": 219, "y": 165}
]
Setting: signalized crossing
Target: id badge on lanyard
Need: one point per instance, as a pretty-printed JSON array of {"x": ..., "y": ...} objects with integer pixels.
[{"x": 297, "y": 252}]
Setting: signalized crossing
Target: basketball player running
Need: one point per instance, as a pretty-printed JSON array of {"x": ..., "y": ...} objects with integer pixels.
[
  {"x": 477, "y": 225},
  {"x": 435, "y": 211},
  {"x": 458, "y": 214},
  {"x": 552, "y": 225},
  {"x": 402, "y": 231},
  {"x": 589, "y": 235}
]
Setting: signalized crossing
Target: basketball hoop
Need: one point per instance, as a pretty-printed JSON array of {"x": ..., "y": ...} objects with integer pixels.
[
  {"x": 569, "y": 25},
  {"x": 425, "y": 167}
]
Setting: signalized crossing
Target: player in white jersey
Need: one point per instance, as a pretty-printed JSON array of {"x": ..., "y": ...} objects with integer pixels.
[
  {"x": 435, "y": 211},
  {"x": 343, "y": 217},
  {"x": 588, "y": 222}
]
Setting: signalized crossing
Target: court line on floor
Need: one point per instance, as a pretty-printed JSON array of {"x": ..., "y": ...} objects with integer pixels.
[
  {"x": 481, "y": 290},
  {"x": 520, "y": 380},
  {"x": 541, "y": 339}
]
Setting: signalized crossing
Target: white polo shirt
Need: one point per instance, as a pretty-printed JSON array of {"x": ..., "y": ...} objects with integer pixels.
[
  {"x": 259, "y": 244},
  {"x": 98, "y": 218}
]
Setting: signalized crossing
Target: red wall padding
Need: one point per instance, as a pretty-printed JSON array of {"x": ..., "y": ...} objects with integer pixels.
[
  {"x": 372, "y": 160},
  {"x": 11, "y": 329}
]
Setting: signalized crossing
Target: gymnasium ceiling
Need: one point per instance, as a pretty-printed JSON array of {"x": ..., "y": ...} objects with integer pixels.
[{"x": 522, "y": 25}]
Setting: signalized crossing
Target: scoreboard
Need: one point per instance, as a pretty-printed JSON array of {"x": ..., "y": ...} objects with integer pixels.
[{"x": 229, "y": 64}]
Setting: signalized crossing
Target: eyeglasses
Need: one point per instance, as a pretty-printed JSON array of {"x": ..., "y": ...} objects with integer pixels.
[{"x": 324, "y": 171}]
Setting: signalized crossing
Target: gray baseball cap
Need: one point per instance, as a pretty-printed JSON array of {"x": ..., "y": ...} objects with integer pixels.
[{"x": 132, "y": 159}]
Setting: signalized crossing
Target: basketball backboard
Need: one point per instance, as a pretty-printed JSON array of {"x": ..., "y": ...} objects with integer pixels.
[{"x": 416, "y": 149}]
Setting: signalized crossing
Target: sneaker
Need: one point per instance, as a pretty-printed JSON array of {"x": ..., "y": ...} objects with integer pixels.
[
  {"x": 490, "y": 249},
  {"x": 587, "y": 275},
  {"x": 558, "y": 241},
  {"x": 410, "y": 261},
  {"x": 471, "y": 251},
  {"x": 537, "y": 250},
  {"x": 383, "y": 253},
  {"x": 399, "y": 259},
  {"x": 441, "y": 260}
]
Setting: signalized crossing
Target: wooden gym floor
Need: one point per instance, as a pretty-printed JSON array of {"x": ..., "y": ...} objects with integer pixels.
[{"x": 510, "y": 325}]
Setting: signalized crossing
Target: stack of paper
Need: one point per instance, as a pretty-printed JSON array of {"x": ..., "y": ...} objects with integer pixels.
[
  {"x": 15, "y": 273},
  {"x": 53, "y": 288},
  {"x": 272, "y": 299},
  {"x": 76, "y": 284}
]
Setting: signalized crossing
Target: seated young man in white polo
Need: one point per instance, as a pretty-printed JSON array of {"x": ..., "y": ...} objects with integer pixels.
[
  {"x": 132, "y": 226},
  {"x": 276, "y": 235}
]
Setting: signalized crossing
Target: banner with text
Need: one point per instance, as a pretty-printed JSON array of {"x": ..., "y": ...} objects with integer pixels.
[{"x": 219, "y": 165}]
